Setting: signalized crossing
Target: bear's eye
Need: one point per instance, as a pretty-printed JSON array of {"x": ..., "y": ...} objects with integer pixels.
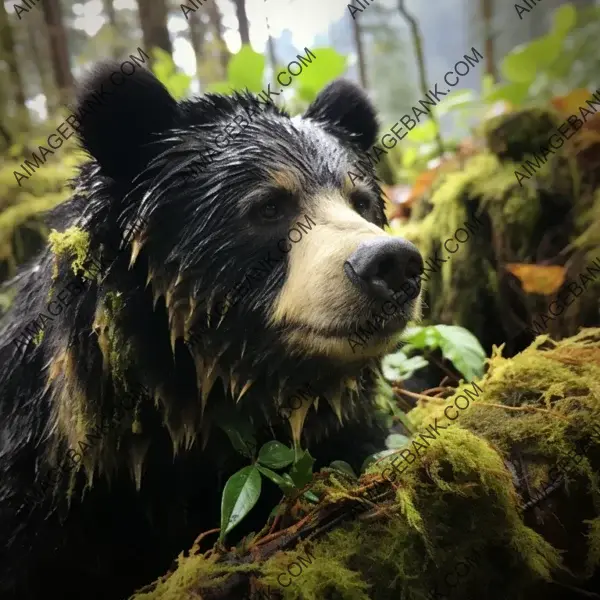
[
  {"x": 269, "y": 210},
  {"x": 361, "y": 203}
]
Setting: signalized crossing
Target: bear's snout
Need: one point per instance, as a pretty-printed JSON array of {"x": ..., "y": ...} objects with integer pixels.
[{"x": 380, "y": 266}]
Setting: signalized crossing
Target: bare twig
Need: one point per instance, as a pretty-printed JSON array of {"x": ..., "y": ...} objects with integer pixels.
[
  {"x": 418, "y": 45},
  {"x": 522, "y": 408}
]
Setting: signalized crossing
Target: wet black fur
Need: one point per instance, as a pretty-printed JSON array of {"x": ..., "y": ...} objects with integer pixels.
[{"x": 113, "y": 539}]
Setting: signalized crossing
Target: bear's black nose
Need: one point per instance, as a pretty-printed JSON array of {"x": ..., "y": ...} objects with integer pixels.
[{"x": 381, "y": 265}]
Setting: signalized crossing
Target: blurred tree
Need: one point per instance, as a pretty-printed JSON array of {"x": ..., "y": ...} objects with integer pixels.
[
  {"x": 388, "y": 60},
  {"x": 487, "y": 12},
  {"x": 59, "y": 51},
  {"x": 271, "y": 50},
  {"x": 360, "y": 53},
  {"x": 197, "y": 34},
  {"x": 242, "y": 17},
  {"x": 420, "y": 56},
  {"x": 117, "y": 45},
  {"x": 37, "y": 41},
  {"x": 153, "y": 20},
  {"x": 9, "y": 54},
  {"x": 217, "y": 28}
]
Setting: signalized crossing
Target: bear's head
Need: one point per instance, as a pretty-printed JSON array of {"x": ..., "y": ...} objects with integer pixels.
[{"x": 256, "y": 233}]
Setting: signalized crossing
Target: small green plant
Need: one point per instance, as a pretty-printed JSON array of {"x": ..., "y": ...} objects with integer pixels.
[
  {"x": 242, "y": 490},
  {"x": 533, "y": 72},
  {"x": 456, "y": 344},
  {"x": 166, "y": 72},
  {"x": 246, "y": 70}
]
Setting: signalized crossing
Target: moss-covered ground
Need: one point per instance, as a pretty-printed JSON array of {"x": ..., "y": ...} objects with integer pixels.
[{"x": 464, "y": 517}]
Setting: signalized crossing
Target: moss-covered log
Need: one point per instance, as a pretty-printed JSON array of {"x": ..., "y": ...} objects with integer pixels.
[
  {"x": 497, "y": 497},
  {"x": 548, "y": 219}
]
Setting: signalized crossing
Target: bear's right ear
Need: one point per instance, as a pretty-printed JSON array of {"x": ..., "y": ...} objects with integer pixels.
[{"x": 120, "y": 115}]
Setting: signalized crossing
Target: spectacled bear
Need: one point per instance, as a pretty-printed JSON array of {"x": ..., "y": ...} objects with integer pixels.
[{"x": 111, "y": 460}]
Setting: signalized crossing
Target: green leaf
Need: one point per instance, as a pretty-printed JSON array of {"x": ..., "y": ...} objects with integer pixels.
[
  {"x": 240, "y": 434},
  {"x": 487, "y": 84},
  {"x": 396, "y": 440},
  {"x": 518, "y": 67},
  {"x": 310, "y": 496},
  {"x": 456, "y": 100},
  {"x": 178, "y": 85},
  {"x": 344, "y": 467},
  {"x": 462, "y": 349},
  {"x": 284, "y": 484},
  {"x": 564, "y": 19},
  {"x": 422, "y": 338},
  {"x": 166, "y": 72},
  {"x": 409, "y": 157},
  {"x": 524, "y": 63},
  {"x": 399, "y": 366},
  {"x": 275, "y": 455},
  {"x": 327, "y": 66},
  {"x": 515, "y": 93},
  {"x": 220, "y": 87},
  {"x": 301, "y": 472},
  {"x": 370, "y": 460},
  {"x": 246, "y": 69},
  {"x": 422, "y": 133},
  {"x": 457, "y": 344},
  {"x": 241, "y": 493}
]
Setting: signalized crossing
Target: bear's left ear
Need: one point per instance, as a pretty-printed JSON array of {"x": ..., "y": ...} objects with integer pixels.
[
  {"x": 119, "y": 117},
  {"x": 344, "y": 104}
]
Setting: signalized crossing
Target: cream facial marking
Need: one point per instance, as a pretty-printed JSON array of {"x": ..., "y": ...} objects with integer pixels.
[{"x": 317, "y": 295}]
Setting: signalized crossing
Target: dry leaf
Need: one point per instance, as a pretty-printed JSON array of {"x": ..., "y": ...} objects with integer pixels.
[
  {"x": 538, "y": 279},
  {"x": 422, "y": 184},
  {"x": 569, "y": 104}
]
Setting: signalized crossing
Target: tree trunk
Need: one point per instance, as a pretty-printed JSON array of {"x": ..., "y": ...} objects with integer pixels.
[
  {"x": 39, "y": 52},
  {"x": 153, "y": 20},
  {"x": 487, "y": 14},
  {"x": 9, "y": 54},
  {"x": 360, "y": 53},
  {"x": 242, "y": 17},
  {"x": 217, "y": 25},
  {"x": 197, "y": 32},
  {"x": 111, "y": 15},
  {"x": 59, "y": 51},
  {"x": 271, "y": 53}
]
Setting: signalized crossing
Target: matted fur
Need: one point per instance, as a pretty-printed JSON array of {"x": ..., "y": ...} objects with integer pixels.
[{"x": 145, "y": 489}]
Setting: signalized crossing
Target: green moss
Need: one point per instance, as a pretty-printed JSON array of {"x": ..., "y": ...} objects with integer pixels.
[
  {"x": 593, "y": 559},
  {"x": 518, "y": 134},
  {"x": 484, "y": 190},
  {"x": 518, "y": 225},
  {"x": 39, "y": 336},
  {"x": 73, "y": 242},
  {"x": 22, "y": 207},
  {"x": 190, "y": 570},
  {"x": 588, "y": 226},
  {"x": 455, "y": 503},
  {"x": 117, "y": 351}
]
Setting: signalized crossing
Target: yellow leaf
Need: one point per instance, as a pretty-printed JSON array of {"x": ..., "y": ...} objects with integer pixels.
[
  {"x": 569, "y": 104},
  {"x": 538, "y": 279}
]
